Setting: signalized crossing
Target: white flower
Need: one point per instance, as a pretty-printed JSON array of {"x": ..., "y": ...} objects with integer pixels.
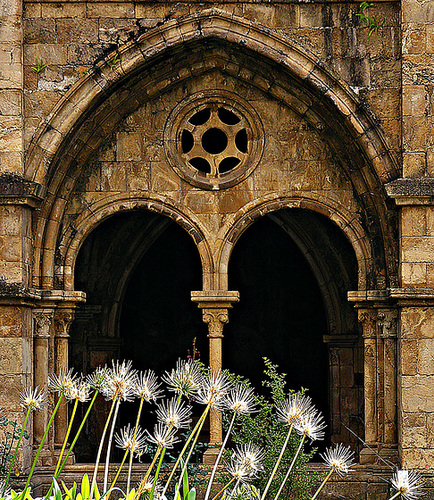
[
  {"x": 241, "y": 400},
  {"x": 163, "y": 436},
  {"x": 250, "y": 455},
  {"x": 33, "y": 400},
  {"x": 174, "y": 413},
  {"x": 63, "y": 382},
  {"x": 340, "y": 458},
  {"x": 214, "y": 389},
  {"x": 98, "y": 379},
  {"x": 125, "y": 440},
  {"x": 240, "y": 470},
  {"x": 185, "y": 379},
  {"x": 79, "y": 390},
  {"x": 291, "y": 410},
  {"x": 311, "y": 425},
  {"x": 121, "y": 380},
  {"x": 147, "y": 386},
  {"x": 407, "y": 483}
]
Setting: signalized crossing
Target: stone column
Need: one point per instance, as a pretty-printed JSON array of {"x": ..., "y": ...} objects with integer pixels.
[
  {"x": 62, "y": 321},
  {"x": 387, "y": 330},
  {"x": 367, "y": 318},
  {"x": 41, "y": 344},
  {"x": 215, "y": 306}
]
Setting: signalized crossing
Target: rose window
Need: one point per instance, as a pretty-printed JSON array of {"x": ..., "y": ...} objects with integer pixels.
[{"x": 214, "y": 141}]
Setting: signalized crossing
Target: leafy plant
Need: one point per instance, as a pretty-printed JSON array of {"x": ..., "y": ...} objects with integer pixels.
[
  {"x": 10, "y": 433},
  {"x": 39, "y": 65},
  {"x": 115, "y": 60},
  {"x": 372, "y": 24},
  {"x": 264, "y": 429}
]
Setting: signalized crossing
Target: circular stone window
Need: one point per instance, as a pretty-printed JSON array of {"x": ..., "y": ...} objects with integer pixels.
[{"x": 213, "y": 139}]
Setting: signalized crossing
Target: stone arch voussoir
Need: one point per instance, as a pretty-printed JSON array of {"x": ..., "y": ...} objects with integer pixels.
[
  {"x": 350, "y": 227},
  {"x": 84, "y": 225}
]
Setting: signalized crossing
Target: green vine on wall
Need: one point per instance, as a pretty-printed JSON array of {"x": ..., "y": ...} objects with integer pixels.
[{"x": 372, "y": 23}]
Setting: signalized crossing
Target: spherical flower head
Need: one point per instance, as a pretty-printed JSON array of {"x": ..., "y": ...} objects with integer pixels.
[
  {"x": 408, "y": 484},
  {"x": 147, "y": 386},
  {"x": 125, "y": 440},
  {"x": 121, "y": 379},
  {"x": 250, "y": 455},
  {"x": 97, "y": 380},
  {"x": 340, "y": 459},
  {"x": 163, "y": 436},
  {"x": 174, "y": 413},
  {"x": 240, "y": 470},
  {"x": 311, "y": 425},
  {"x": 295, "y": 405},
  {"x": 214, "y": 389},
  {"x": 33, "y": 399},
  {"x": 185, "y": 379},
  {"x": 241, "y": 400},
  {"x": 147, "y": 488},
  {"x": 63, "y": 382}
]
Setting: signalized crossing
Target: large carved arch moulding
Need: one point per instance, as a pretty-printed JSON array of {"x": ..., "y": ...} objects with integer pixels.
[{"x": 93, "y": 107}]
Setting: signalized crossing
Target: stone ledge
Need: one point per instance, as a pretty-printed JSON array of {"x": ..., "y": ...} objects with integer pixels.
[{"x": 412, "y": 191}]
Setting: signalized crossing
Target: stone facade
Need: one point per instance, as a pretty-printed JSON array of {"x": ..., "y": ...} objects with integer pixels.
[{"x": 334, "y": 130}]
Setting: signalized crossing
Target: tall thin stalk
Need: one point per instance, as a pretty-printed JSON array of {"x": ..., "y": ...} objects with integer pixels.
[
  {"x": 224, "y": 488},
  {"x": 77, "y": 434},
  {"x": 157, "y": 472},
  {"x": 67, "y": 436},
  {"x": 193, "y": 432},
  {"x": 118, "y": 472},
  {"x": 41, "y": 444},
  {"x": 17, "y": 447},
  {"x": 178, "y": 486},
  {"x": 214, "y": 469},
  {"x": 276, "y": 465},
  {"x": 323, "y": 483},
  {"x": 130, "y": 465},
  {"x": 290, "y": 467},
  {"x": 109, "y": 444},
  {"x": 98, "y": 456}
]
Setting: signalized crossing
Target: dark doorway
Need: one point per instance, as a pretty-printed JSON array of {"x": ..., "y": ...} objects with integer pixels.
[
  {"x": 293, "y": 269},
  {"x": 138, "y": 270}
]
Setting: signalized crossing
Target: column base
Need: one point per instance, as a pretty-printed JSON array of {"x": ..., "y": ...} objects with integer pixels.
[
  {"x": 368, "y": 456},
  {"x": 57, "y": 450},
  {"x": 210, "y": 456},
  {"x": 389, "y": 453}
]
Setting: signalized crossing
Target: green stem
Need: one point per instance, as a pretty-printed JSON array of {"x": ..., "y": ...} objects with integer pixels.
[
  {"x": 193, "y": 432},
  {"x": 17, "y": 447},
  {"x": 98, "y": 457},
  {"x": 395, "y": 495},
  {"x": 323, "y": 483},
  {"x": 67, "y": 436},
  {"x": 157, "y": 472},
  {"x": 41, "y": 444},
  {"x": 118, "y": 472},
  {"x": 130, "y": 465},
  {"x": 290, "y": 467},
  {"x": 109, "y": 445},
  {"x": 276, "y": 465},
  {"x": 145, "y": 477},
  {"x": 214, "y": 469},
  {"x": 77, "y": 435},
  {"x": 178, "y": 486},
  {"x": 224, "y": 488}
]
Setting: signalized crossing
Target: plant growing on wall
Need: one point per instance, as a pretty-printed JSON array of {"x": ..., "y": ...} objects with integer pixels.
[{"x": 372, "y": 23}]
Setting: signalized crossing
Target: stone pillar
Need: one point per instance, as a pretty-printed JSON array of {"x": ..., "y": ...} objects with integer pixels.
[
  {"x": 62, "y": 321},
  {"x": 367, "y": 318},
  {"x": 215, "y": 306},
  {"x": 41, "y": 345},
  {"x": 387, "y": 329}
]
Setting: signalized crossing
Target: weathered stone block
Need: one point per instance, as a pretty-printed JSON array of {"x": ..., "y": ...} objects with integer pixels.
[
  {"x": 417, "y": 322},
  {"x": 414, "y": 165},
  {"x": 413, "y": 100},
  {"x": 63, "y": 9},
  {"x": 417, "y": 393},
  {"x": 10, "y": 321},
  {"x": 10, "y": 102},
  {"x": 426, "y": 356},
  {"x": 110, "y": 9},
  {"x": 409, "y": 351},
  {"x": 49, "y": 53},
  {"x": 77, "y": 30},
  {"x": 39, "y": 30},
  {"x": 129, "y": 146},
  {"x": 417, "y": 249}
]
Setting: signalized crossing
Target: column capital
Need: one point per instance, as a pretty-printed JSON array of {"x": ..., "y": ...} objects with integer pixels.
[
  {"x": 42, "y": 322},
  {"x": 215, "y": 299},
  {"x": 62, "y": 321}
]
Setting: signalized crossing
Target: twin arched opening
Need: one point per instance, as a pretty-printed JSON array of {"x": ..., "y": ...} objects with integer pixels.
[{"x": 292, "y": 267}]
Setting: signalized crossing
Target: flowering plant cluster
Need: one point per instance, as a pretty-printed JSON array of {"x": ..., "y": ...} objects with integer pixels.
[{"x": 216, "y": 392}]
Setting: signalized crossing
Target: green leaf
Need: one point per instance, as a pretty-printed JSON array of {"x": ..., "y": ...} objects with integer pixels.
[
  {"x": 192, "y": 494},
  {"x": 85, "y": 489},
  {"x": 56, "y": 490}
]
